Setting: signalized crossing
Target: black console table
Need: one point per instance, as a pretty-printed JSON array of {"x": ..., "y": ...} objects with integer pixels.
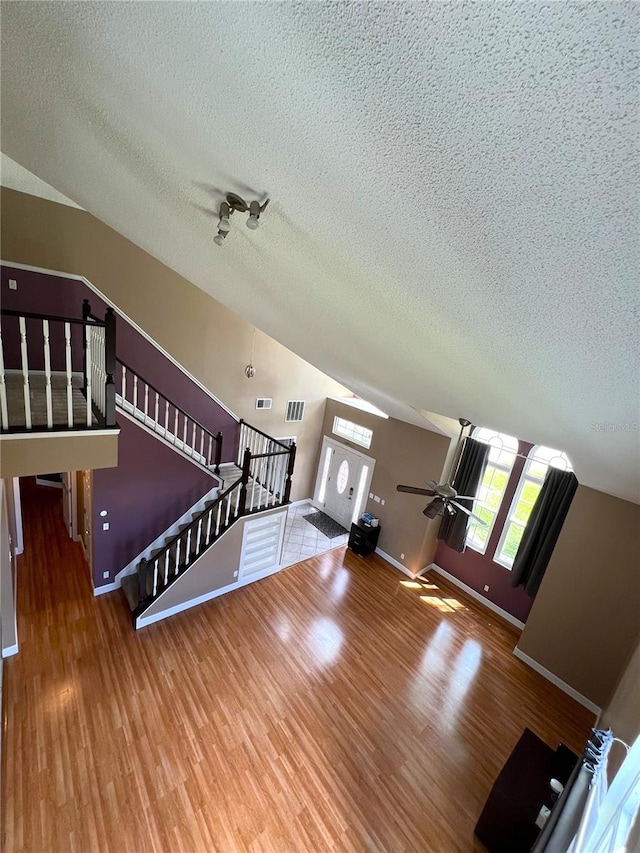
[
  {"x": 508, "y": 821},
  {"x": 363, "y": 538}
]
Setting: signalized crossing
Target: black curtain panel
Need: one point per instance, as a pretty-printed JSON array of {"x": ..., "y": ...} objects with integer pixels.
[
  {"x": 469, "y": 473},
  {"x": 543, "y": 528}
]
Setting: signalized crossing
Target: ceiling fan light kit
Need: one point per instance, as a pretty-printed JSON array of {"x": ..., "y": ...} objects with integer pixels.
[{"x": 234, "y": 203}]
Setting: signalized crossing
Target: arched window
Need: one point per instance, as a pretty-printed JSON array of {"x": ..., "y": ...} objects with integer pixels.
[
  {"x": 496, "y": 476},
  {"x": 531, "y": 480}
]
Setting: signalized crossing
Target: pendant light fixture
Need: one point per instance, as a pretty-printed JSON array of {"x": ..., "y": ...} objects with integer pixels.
[{"x": 250, "y": 370}]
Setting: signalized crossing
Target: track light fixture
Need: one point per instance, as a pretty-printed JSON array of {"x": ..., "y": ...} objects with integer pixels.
[{"x": 236, "y": 203}]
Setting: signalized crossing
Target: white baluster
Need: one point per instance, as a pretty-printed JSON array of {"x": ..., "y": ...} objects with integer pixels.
[
  {"x": 166, "y": 566},
  {"x": 155, "y": 577},
  {"x": 146, "y": 402},
  {"x": 175, "y": 428},
  {"x": 4, "y": 412},
  {"x": 155, "y": 418},
  {"x": 188, "y": 550},
  {"x": 238, "y": 493},
  {"x": 202, "y": 459},
  {"x": 208, "y": 535},
  {"x": 135, "y": 392},
  {"x": 209, "y": 460},
  {"x": 124, "y": 384},
  {"x": 67, "y": 350},
  {"x": 89, "y": 372},
  {"x": 25, "y": 372},
  {"x": 166, "y": 419},
  {"x": 218, "y": 518},
  {"x": 178, "y": 543},
  {"x": 229, "y": 499},
  {"x": 47, "y": 372},
  {"x": 193, "y": 439},
  {"x": 198, "y": 535},
  {"x": 184, "y": 435}
]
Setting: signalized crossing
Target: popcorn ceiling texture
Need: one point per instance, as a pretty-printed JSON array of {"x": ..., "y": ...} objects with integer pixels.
[{"x": 454, "y": 214}]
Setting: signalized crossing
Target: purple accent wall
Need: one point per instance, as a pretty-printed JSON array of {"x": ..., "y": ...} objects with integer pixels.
[
  {"x": 152, "y": 485},
  {"x": 151, "y": 488},
  {"x": 477, "y": 570},
  {"x": 50, "y": 294}
]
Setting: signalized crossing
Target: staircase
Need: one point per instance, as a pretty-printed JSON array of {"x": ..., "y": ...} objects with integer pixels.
[{"x": 85, "y": 384}]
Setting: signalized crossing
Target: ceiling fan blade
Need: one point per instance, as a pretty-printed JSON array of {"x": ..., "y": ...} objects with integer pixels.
[
  {"x": 415, "y": 490},
  {"x": 433, "y": 509},
  {"x": 431, "y": 484},
  {"x": 466, "y": 497},
  {"x": 469, "y": 513}
]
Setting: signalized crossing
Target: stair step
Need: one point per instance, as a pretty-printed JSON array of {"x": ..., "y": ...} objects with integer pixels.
[{"x": 129, "y": 586}]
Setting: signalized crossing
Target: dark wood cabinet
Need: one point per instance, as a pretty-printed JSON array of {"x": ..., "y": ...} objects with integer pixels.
[{"x": 363, "y": 538}]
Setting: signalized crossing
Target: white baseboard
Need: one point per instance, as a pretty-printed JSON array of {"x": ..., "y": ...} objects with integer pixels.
[
  {"x": 566, "y": 688},
  {"x": 142, "y": 622},
  {"x": 10, "y": 650},
  {"x": 395, "y": 563},
  {"x": 108, "y": 587},
  {"x": 432, "y": 567}
]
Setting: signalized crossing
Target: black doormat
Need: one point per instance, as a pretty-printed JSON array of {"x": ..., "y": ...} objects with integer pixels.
[{"x": 327, "y": 526}]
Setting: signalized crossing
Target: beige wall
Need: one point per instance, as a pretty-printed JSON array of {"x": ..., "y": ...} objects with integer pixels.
[
  {"x": 622, "y": 714},
  {"x": 20, "y": 456},
  {"x": 584, "y": 622},
  {"x": 211, "y": 342},
  {"x": 403, "y": 454}
]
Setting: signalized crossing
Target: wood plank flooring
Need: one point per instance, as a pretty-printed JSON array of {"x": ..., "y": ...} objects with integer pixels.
[{"x": 334, "y": 706}]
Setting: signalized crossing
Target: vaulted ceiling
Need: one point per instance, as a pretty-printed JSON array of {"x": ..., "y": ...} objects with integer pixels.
[{"x": 454, "y": 214}]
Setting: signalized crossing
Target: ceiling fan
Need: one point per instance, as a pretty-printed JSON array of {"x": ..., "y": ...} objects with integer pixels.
[{"x": 445, "y": 497}]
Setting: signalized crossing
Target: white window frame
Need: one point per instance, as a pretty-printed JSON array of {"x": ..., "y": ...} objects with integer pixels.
[
  {"x": 541, "y": 455},
  {"x": 352, "y": 431},
  {"x": 501, "y": 442}
]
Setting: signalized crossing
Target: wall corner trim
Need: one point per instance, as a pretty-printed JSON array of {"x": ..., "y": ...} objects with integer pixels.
[
  {"x": 504, "y": 614},
  {"x": 566, "y": 688}
]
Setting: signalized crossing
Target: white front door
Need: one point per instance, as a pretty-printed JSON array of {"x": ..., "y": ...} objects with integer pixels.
[{"x": 343, "y": 482}]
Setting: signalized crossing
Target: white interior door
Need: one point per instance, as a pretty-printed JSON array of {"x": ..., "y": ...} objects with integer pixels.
[
  {"x": 343, "y": 481},
  {"x": 68, "y": 501}
]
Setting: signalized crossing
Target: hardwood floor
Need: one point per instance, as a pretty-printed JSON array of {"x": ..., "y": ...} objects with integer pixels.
[{"x": 334, "y": 706}]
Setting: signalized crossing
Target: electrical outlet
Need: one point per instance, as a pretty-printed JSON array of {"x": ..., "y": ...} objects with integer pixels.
[
  {"x": 402, "y": 556},
  {"x": 486, "y": 587},
  {"x": 105, "y": 575},
  {"x": 382, "y": 502},
  {"x": 13, "y": 284},
  {"x": 105, "y": 526},
  {"x": 235, "y": 574}
]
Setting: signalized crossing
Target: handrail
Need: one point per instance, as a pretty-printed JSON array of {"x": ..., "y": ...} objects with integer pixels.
[
  {"x": 164, "y": 396},
  {"x": 31, "y": 315},
  {"x": 269, "y": 455},
  {"x": 255, "y": 429}
]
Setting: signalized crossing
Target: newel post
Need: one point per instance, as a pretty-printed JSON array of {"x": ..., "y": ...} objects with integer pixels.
[
  {"x": 218, "y": 451},
  {"x": 246, "y": 465},
  {"x": 142, "y": 581},
  {"x": 287, "y": 485},
  {"x": 86, "y": 310},
  {"x": 110, "y": 367}
]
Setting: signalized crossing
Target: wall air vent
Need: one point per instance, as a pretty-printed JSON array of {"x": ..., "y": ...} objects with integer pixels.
[
  {"x": 295, "y": 411},
  {"x": 263, "y": 402}
]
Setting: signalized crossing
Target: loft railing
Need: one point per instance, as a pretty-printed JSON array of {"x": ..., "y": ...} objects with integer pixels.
[
  {"x": 66, "y": 366},
  {"x": 270, "y": 465}
]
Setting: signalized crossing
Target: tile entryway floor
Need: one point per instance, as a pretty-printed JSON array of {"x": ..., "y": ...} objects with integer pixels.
[{"x": 302, "y": 540}]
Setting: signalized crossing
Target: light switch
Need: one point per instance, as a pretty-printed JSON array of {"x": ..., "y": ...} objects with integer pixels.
[
  {"x": 382, "y": 502},
  {"x": 105, "y": 575},
  {"x": 13, "y": 284},
  {"x": 105, "y": 526},
  {"x": 376, "y": 499}
]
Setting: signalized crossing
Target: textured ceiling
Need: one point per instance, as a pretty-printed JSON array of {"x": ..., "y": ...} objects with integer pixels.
[{"x": 453, "y": 225}]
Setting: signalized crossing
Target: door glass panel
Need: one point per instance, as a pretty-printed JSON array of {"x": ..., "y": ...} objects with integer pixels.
[{"x": 343, "y": 477}]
